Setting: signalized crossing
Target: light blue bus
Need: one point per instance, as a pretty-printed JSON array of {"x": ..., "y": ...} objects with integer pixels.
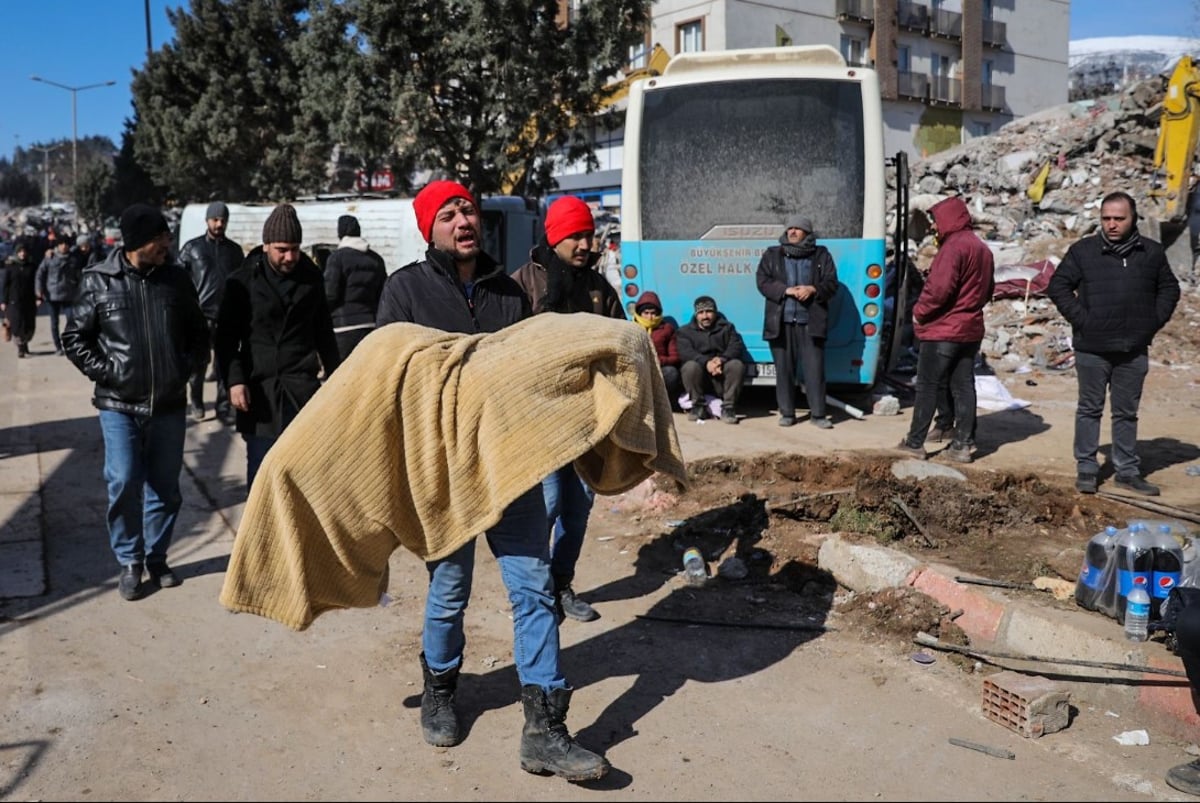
[{"x": 724, "y": 146}]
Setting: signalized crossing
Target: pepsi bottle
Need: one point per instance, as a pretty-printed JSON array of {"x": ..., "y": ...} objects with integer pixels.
[
  {"x": 1135, "y": 564},
  {"x": 1167, "y": 569},
  {"x": 1089, "y": 587}
]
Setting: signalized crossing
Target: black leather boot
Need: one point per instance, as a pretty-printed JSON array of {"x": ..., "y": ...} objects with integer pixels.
[
  {"x": 129, "y": 584},
  {"x": 546, "y": 746},
  {"x": 567, "y": 604},
  {"x": 439, "y": 723}
]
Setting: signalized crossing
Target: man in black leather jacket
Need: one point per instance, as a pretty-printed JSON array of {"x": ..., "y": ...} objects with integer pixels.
[
  {"x": 137, "y": 331},
  {"x": 209, "y": 259}
]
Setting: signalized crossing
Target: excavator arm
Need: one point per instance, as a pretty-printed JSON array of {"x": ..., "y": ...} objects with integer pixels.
[{"x": 1177, "y": 134}]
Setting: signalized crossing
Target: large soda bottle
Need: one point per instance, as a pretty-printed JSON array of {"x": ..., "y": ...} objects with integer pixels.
[
  {"x": 1090, "y": 585},
  {"x": 1167, "y": 569},
  {"x": 1135, "y": 564}
]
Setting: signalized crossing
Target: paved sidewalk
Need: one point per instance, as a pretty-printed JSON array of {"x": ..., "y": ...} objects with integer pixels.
[{"x": 52, "y": 506}]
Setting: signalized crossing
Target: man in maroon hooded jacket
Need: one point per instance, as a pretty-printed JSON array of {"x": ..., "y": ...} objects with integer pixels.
[{"x": 948, "y": 320}]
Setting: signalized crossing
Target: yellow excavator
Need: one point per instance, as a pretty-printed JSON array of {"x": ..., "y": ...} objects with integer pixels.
[
  {"x": 612, "y": 94},
  {"x": 1177, "y": 134}
]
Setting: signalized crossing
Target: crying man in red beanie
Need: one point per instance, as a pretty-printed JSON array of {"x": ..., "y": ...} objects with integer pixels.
[{"x": 561, "y": 276}]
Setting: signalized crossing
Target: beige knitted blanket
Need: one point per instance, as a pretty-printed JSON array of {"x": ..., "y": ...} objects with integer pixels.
[{"x": 422, "y": 438}]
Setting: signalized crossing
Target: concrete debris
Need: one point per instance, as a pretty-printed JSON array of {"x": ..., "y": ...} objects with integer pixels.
[{"x": 1085, "y": 149}]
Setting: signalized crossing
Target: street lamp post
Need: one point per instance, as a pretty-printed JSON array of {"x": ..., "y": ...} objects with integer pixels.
[
  {"x": 46, "y": 168},
  {"x": 74, "y": 90}
]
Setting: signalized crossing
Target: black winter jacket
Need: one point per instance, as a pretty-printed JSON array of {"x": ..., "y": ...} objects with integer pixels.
[
  {"x": 137, "y": 334},
  {"x": 354, "y": 277},
  {"x": 429, "y": 293},
  {"x": 274, "y": 347},
  {"x": 772, "y": 282},
  {"x": 701, "y": 345},
  {"x": 1114, "y": 304},
  {"x": 209, "y": 262}
]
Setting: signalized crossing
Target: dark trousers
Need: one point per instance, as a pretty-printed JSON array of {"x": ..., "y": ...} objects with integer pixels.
[
  {"x": 1187, "y": 633},
  {"x": 697, "y": 381},
  {"x": 1119, "y": 375},
  {"x": 348, "y": 339},
  {"x": 196, "y": 381},
  {"x": 57, "y": 308},
  {"x": 942, "y": 363},
  {"x": 674, "y": 382},
  {"x": 793, "y": 341}
]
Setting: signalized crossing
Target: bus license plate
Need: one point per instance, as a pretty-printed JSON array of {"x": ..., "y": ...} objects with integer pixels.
[{"x": 766, "y": 370}]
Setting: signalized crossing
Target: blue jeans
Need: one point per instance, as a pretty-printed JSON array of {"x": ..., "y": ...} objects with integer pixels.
[
  {"x": 1121, "y": 376},
  {"x": 522, "y": 551},
  {"x": 257, "y": 447},
  {"x": 942, "y": 363},
  {"x": 568, "y": 504},
  {"x": 142, "y": 460}
]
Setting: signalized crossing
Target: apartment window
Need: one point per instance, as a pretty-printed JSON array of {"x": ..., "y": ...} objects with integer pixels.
[
  {"x": 639, "y": 54},
  {"x": 904, "y": 59},
  {"x": 988, "y": 10},
  {"x": 979, "y": 129},
  {"x": 689, "y": 37},
  {"x": 941, "y": 66},
  {"x": 854, "y": 50},
  {"x": 987, "y": 67}
]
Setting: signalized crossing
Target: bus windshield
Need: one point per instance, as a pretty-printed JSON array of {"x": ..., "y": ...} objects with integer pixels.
[{"x": 733, "y": 153}]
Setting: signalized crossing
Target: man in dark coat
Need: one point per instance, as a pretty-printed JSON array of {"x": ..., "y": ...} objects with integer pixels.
[
  {"x": 948, "y": 320},
  {"x": 354, "y": 277},
  {"x": 209, "y": 260},
  {"x": 1117, "y": 290},
  {"x": 711, "y": 350},
  {"x": 19, "y": 302},
  {"x": 798, "y": 279},
  {"x": 137, "y": 331},
  {"x": 274, "y": 336},
  {"x": 459, "y": 288}
]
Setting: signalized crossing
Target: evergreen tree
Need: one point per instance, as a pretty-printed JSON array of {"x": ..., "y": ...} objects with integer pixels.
[
  {"x": 490, "y": 92},
  {"x": 218, "y": 106},
  {"x": 131, "y": 182},
  {"x": 93, "y": 201},
  {"x": 18, "y": 189}
]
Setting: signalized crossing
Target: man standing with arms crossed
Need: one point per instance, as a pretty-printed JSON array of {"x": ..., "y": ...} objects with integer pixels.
[
  {"x": 209, "y": 259},
  {"x": 137, "y": 331},
  {"x": 458, "y": 288},
  {"x": 1117, "y": 290}
]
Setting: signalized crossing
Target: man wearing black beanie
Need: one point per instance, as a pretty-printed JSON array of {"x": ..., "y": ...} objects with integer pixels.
[
  {"x": 354, "y": 277},
  {"x": 273, "y": 334},
  {"x": 140, "y": 360}
]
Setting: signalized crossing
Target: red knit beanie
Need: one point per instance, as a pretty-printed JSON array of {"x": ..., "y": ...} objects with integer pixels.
[
  {"x": 566, "y": 216},
  {"x": 432, "y": 198}
]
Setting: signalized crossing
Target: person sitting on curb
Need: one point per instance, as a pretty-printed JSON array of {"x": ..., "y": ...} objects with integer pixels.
[
  {"x": 648, "y": 314},
  {"x": 711, "y": 352}
]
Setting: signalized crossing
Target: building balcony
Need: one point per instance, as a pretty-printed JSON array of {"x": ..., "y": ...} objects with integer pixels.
[
  {"x": 946, "y": 24},
  {"x": 912, "y": 16},
  {"x": 911, "y": 85},
  {"x": 994, "y": 33},
  {"x": 945, "y": 91},
  {"x": 856, "y": 10},
  {"x": 992, "y": 98}
]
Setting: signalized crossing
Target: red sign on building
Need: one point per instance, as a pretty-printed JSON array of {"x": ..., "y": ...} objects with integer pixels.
[{"x": 379, "y": 181}]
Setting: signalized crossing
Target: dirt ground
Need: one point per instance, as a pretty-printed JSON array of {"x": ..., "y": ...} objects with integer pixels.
[{"x": 172, "y": 697}]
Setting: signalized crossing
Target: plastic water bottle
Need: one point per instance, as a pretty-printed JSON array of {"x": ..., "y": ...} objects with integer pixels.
[
  {"x": 695, "y": 570},
  {"x": 1137, "y": 614},
  {"x": 1092, "y": 576},
  {"x": 1168, "y": 569}
]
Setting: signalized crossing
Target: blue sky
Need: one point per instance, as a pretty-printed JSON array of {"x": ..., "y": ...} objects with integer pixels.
[{"x": 81, "y": 42}]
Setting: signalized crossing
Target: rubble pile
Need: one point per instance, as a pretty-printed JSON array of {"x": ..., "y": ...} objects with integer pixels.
[{"x": 1034, "y": 188}]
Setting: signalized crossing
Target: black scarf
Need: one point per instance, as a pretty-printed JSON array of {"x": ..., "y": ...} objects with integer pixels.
[
  {"x": 801, "y": 250},
  {"x": 1124, "y": 247}
]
